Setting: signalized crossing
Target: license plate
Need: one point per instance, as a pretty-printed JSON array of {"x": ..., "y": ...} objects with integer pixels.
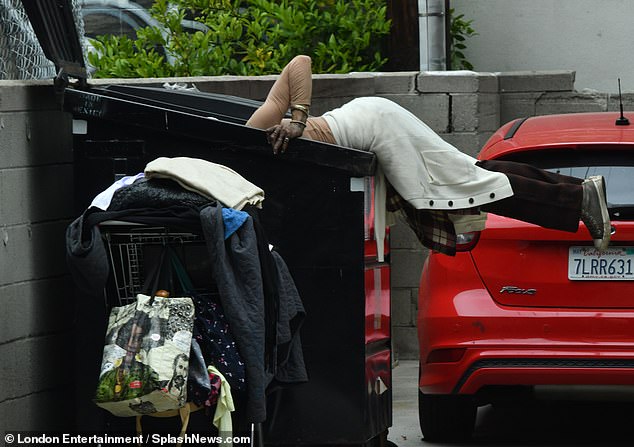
[{"x": 613, "y": 264}]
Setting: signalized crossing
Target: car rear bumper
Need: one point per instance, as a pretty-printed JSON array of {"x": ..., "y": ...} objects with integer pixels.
[
  {"x": 517, "y": 367},
  {"x": 468, "y": 341}
]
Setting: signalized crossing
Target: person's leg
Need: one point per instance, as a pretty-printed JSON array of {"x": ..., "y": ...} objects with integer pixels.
[
  {"x": 526, "y": 170},
  {"x": 541, "y": 197},
  {"x": 294, "y": 86},
  {"x": 553, "y": 200}
]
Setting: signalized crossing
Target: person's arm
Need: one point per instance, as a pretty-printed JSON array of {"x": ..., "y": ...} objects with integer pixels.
[{"x": 293, "y": 89}]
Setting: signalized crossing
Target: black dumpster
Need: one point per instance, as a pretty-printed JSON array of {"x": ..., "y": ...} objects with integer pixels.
[{"x": 318, "y": 213}]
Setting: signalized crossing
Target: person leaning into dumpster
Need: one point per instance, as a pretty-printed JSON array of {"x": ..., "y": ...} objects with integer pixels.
[{"x": 435, "y": 185}]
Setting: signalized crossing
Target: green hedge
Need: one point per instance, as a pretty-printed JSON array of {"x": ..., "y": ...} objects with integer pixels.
[{"x": 248, "y": 37}]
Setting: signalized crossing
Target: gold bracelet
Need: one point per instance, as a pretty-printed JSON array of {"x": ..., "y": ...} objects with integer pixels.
[
  {"x": 301, "y": 123},
  {"x": 301, "y": 108}
]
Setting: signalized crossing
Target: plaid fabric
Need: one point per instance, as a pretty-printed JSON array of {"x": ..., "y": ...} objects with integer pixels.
[{"x": 433, "y": 228}]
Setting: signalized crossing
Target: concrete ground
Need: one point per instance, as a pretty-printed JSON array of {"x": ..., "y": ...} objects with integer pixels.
[
  {"x": 559, "y": 417},
  {"x": 405, "y": 430}
]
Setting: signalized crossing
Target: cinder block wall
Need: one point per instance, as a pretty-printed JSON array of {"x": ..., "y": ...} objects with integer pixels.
[
  {"x": 37, "y": 385},
  {"x": 36, "y": 301}
]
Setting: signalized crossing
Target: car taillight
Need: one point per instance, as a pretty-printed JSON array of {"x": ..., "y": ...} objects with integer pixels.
[
  {"x": 466, "y": 241},
  {"x": 446, "y": 355}
]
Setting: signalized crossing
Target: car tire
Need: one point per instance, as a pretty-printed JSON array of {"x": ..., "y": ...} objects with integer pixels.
[{"x": 446, "y": 418}]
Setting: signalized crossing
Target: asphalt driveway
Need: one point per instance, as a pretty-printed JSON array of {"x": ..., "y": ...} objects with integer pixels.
[{"x": 601, "y": 418}]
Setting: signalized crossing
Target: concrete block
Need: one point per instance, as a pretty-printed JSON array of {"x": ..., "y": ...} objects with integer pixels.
[
  {"x": 468, "y": 142},
  {"x": 36, "y": 194},
  {"x": 35, "y": 364},
  {"x": 35, "y": 138},
  {"x": 35, "y": 308},
  {"x": 32, "y": 251},
  {"x": 518, "y": 105},
  {"x": 458, "y": 81},
  {"x": 464, "y": 112},
  {"x": 47, "y": 411},
  {"x": 184, "y": 81},
  {"x": 405, "y": 343},
  {"x": 554, "y": 103},
  {"x": 252, "y": 87},
  {"x": 19, "y": 96},
  {"x": 489, "y": 112},
  {"x": 406, "y": 268},
  {"x": 395, "y": 82},
  {"x": 482, "y": 140},
  {"x": 628, "y": 103},
  {"x": 536, "y": 81},
  {"x": 258, "y": 87},
  {"x": 324, "y": 104},
  {"x": 475, "y": 112},
  {"x": 350, "y": 85},
  {"x": 224, "y": 85},
  {"x": 402, "y": 237},
  {"x": 142, "y": 82},
  {"x": 402, "y": 309},
  {"x": 432, "y": 109}
]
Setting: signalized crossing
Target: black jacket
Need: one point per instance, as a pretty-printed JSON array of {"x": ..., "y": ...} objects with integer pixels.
[{"x": 256, "y": 290}]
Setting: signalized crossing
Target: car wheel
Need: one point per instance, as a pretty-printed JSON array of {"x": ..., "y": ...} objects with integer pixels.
[{"x": 446, "y": 418}]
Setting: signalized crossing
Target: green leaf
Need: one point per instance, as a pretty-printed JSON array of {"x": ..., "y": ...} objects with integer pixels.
[
  {"x": 249, "y": 37},
  {"x": 460, "y": 30}
]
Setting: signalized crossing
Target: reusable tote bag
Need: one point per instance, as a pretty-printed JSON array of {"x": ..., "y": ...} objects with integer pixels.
[
  {"x": 146, "y": 355},
  {"x": 212, "y": 332}
]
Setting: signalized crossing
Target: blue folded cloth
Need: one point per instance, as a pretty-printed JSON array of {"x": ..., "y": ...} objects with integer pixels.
[{"x": 233, "y": 219}]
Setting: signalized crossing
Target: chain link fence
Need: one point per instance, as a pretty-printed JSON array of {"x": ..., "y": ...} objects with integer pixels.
[{"x": 21, "y": 56}]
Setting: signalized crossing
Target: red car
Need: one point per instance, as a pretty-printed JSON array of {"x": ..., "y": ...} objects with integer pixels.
[{"x": 520, "y": 305}]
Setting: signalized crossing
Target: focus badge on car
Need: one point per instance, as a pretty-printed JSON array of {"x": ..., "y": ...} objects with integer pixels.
[{"x": 513, "y": 289}]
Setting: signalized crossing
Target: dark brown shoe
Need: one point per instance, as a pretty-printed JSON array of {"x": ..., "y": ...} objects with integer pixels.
[{"x": 594, "y": 211}]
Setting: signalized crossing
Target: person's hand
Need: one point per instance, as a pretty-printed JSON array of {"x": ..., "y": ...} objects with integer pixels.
[{"x": 281, "y": 134}]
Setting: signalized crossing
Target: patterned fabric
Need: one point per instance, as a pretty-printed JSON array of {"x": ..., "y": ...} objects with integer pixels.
[
  {"x": 434, "y": 229},
  {"x": 215, "y": 383},
  {"x": 219, "y": 349},
  {"x": 146, "y": 356},
  {"x": 205, "y": 397}
]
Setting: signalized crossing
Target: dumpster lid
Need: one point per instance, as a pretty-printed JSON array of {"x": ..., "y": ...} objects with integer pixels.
[
  {"x": 178, "y": 113},
  {"x": 234, "y": 109},
  {"x": 212, "y": 118},
  {"x": 54, "y": 25}
]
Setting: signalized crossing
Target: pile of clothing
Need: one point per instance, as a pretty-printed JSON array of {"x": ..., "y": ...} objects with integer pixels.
[{"x": 256, "y": 291}]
